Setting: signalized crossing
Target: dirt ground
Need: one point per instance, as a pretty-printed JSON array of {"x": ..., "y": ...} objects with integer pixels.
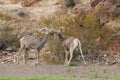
[
  {"x": 10, "y": 69},
  {"x": 20, "y": 70}
]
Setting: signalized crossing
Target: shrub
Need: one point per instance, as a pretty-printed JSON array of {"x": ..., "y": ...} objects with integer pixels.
[
  {"x": 68, "y": 3},
  {"x": 7, "y": 38},
  {"x": 71, "y": 25},
  {"x": 91, "y": 33},
  {"x": 69, "y": 22},
  {"x": 5, "y": 16},
  {"x": 93, "y": 75},
  {"x": 57, "y": 51}
]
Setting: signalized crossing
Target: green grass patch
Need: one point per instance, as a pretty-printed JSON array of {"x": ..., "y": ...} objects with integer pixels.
[
  {"x": 114, "y": 77},
  {"x": 44, "y": 78}
]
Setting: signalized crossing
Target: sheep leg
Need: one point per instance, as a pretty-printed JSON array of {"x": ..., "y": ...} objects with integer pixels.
[
  {"x": 18, "y": 54},
  {"x": 37, "y": 57},
  {"x": 25, "y": 56},
  {"x": 66, "y": 57},
  {"x": 71, "y": 56},
  {"x": 82, "y": 54}
]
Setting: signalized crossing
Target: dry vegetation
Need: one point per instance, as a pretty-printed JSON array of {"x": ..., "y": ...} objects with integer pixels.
[{"x": 90, "y": 29}]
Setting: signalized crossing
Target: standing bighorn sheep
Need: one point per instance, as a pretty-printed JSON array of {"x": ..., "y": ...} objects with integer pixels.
[
  {"x": 70, "y": 45},
  {"x": 27, "y": 42}
]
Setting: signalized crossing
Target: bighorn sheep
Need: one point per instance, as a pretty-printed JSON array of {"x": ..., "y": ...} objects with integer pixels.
[
  {"x": 70, "y": 45},
  {"x": 27, "y": 42}
]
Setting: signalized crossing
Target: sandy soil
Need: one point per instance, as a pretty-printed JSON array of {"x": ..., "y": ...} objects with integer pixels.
[{"x": 19, "y": 70}]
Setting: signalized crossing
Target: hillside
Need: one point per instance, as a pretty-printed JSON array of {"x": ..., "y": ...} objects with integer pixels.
[{"x": 95, "y": 22}]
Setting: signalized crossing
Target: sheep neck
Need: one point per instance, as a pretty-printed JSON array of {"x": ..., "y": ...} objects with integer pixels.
[
  {"x": 44, "y": 39},
  {"x": 62, "y": 39}
]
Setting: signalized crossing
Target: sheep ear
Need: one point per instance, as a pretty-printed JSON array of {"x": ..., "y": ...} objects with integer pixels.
[{"x": 62, "y": 29}]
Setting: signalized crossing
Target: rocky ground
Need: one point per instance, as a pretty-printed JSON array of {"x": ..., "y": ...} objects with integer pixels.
[{"x": 105, "y": 58}]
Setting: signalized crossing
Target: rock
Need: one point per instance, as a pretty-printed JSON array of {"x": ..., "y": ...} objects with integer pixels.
[
  {"x": 2, "y": 1},
  {"x": 9, "y": 49},
  {"x": 103, "y": 18},
  {"x": 85, "y": 2},
  {"x": 116, "y": 12},
  {"x": 28, "y": 2},
  {"x": 20, "y": 14},
  {"x": 93, "y": 3},
  {"x": 112, "y": 25}
]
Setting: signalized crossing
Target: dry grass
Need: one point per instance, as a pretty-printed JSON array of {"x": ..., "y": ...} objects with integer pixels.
[
  {"x": 7, "y": 37},
  {"x": 5, "y": 16},
  {"x": 92, "y": 33}
]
